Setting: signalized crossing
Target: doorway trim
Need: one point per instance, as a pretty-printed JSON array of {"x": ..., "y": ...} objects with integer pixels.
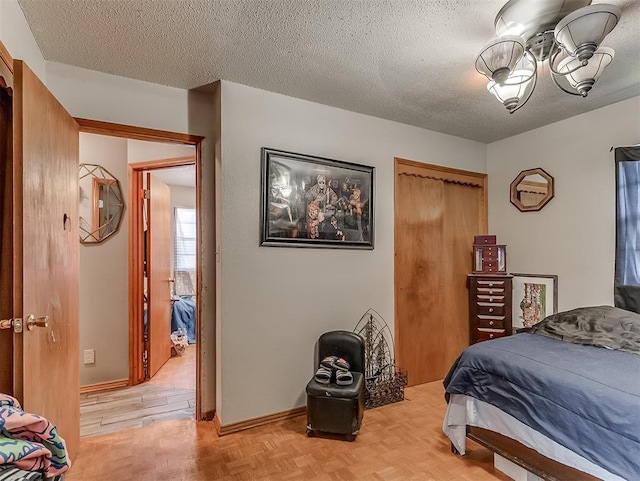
[{"x": 136, "y": 287}]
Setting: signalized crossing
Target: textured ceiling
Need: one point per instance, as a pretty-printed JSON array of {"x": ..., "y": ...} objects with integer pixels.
[{"x": 404, "y": 60}]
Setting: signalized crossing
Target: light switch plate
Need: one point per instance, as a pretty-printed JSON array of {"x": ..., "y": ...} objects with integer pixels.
[{"x": 89, "y": 356}]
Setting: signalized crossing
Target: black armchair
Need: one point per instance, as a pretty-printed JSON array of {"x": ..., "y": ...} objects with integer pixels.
[{"x": 334, "y": 408}]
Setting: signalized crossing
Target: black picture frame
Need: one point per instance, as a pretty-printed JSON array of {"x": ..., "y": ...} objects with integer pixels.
[{"x": 298, "y": 209}]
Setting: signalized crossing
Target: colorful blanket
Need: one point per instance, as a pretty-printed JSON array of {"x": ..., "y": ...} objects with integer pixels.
[
  {"x": 11, "y": 473},
  {"x": 30, "y": 442}
]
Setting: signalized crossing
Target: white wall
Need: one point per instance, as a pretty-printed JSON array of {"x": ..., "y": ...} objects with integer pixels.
[
  {"x": 17, "y": 38},
  {"x": 573, "y": 236},
  {"x": 104, "y": 277},
  {"x": 93, "y": 95},
  {"x": 140, "y": 151},
  {"x": 277, "y": 301}
]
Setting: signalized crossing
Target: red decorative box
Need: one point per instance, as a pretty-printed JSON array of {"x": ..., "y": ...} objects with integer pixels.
[{"x": 484, "y": 239}]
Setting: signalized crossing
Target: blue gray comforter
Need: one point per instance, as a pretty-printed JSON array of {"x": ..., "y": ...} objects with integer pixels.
[
  {"x": 183, "y": 314},
  {"x": 583, "y": 397}
]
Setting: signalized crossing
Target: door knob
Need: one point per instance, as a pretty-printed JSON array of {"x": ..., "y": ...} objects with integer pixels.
[
  {"x": 16, "y": 324},
  {"x": 33, "y": 321}
]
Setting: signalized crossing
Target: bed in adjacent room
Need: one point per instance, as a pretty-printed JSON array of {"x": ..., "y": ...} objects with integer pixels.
[
  {"x": 183, "y": 315},
  {"x": 569, "y": 388}
]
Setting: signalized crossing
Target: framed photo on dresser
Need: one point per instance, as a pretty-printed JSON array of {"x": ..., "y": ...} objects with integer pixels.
[{"x": 535, "y": 296}]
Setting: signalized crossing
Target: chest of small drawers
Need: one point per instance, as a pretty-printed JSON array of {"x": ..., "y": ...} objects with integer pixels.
[
  {"x": 490, "y": 259},
  {"x": 489, "y": 306}
]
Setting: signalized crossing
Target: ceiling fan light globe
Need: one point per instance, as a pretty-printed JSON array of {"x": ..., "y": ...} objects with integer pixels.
[
  {"x": 500, "y": 55},
  {"x": 581, "y": 32},
  {"x": 517, "y": 87},
  {"x": 583, "y": 78}
]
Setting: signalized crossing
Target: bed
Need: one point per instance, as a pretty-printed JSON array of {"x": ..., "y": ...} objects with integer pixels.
[
  {"x": 566, "y": 390},
  {"x": 183, "y": 315}
]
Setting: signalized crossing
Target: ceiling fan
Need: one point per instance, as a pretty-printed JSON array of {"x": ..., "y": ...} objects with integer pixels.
[{"x": 567, "y": 34}]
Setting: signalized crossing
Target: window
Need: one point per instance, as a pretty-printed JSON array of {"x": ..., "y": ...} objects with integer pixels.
[
  {"x": 185, "y": 251},
  {"x": 627, "y": 277}
]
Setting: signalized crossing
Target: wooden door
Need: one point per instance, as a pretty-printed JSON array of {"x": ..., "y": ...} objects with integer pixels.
[
  {"x": 159, "y": 272},
  {"x": 437, "y": 213},
  {"x": 45, "y": 246}
]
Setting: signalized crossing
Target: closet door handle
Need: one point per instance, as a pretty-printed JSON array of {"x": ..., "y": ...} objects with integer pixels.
[{"x": 33, "y": 321}]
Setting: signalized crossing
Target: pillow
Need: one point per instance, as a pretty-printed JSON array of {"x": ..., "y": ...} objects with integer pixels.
[{"x": 603, "y": 326}]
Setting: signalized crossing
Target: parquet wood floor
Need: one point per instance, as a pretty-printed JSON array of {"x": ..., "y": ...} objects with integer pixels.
[
  {"x": 398, "y": 442},
  {"x": 170, "y": 394}
]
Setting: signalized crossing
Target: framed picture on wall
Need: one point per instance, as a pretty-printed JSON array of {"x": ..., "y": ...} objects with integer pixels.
[
  {"x": 535, "y": 296},
  {"x": 309, "y": 201}
]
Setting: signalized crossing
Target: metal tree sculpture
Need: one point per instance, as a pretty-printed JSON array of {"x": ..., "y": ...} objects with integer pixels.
[{"x": 384, "y": 381}]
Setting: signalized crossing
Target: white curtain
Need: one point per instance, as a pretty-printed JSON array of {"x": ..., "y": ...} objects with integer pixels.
[{"x": 185, "y": 251}]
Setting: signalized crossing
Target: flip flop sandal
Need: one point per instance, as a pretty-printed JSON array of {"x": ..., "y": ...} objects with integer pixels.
[
  {"x": 344, "y": 378},
  {"x": 329, "y": 361},
  {"x": 341, "y": 365},
  {"x": 323, "y": 375}
]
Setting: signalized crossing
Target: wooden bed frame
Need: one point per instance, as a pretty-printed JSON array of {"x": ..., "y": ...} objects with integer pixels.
[{"x": 527, "y": 458}]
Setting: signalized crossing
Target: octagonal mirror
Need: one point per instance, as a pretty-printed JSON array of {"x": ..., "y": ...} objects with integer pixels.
[
  {"x": 531, "y": 190},
  {"x": 101, "y": 203}
]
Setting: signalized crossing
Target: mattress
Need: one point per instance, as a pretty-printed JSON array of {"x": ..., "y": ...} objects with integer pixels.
[
  {"x": 463, "y": 411},
  {"x": 584, "y": 398}
]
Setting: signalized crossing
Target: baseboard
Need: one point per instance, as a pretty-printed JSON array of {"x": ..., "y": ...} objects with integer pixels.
[
  {"x": 252, "y": 423},
  {"x": 104, "y": 386}
]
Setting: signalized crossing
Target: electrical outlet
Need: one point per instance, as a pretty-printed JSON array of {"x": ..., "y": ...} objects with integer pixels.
[{"x": 89, "y": 356}]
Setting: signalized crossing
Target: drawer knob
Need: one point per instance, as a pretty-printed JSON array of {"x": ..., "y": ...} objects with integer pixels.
[
  {"x": 491, "y": 309},
  {"x": 490, "y": 284},
  {"x": 490, "y": 299},
  {"x": 491, "y": 323},
  {"x": 490, "y": 291},
  {"x": 490, "y": 336}
]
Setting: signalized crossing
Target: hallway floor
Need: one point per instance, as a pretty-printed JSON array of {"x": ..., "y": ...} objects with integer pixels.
[{"x": 170, "y": 394}]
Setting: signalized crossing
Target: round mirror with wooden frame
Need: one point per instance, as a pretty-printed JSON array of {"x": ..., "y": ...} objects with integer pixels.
[
  {"x": 101, "y": 203},
  {"x": 531, "y": 190}
]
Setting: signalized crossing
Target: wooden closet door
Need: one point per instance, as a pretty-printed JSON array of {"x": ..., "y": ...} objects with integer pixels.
[{"x": 437, "y": 213}]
